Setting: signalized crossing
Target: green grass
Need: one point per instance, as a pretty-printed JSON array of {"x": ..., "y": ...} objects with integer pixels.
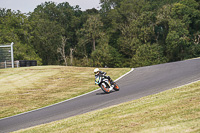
[
  {"x": 25, "y": 89},
  {"x": 173, "y": 111}
]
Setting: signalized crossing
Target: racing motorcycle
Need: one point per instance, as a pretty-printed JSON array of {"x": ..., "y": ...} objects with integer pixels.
[{"x": 105, "y": 84}]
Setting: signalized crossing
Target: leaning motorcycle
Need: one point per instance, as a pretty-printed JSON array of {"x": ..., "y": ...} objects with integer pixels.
[{"x": 105, "y": 84}]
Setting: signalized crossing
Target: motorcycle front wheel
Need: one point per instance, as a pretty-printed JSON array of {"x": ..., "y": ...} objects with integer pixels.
[
  {"x": 116, "y": 87},
  {"x": 105, "y": 88}
]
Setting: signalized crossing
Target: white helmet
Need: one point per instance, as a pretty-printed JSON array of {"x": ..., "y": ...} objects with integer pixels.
[{"x": 96, "y": 70}]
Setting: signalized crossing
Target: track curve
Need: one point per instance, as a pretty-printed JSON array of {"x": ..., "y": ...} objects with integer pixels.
[{"x": 141, "y": 82}]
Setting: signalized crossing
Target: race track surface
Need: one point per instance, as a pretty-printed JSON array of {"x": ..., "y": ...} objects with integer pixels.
[{"x": 141, "y": 82}]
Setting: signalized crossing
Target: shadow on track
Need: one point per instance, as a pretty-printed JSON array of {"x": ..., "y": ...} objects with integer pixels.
[{"x": 103, "y": 93}]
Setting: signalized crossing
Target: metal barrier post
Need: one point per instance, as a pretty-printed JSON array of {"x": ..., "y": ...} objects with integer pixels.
[
  {"x": 5, "y": 64},
  {"x": 12, "y": 57}
]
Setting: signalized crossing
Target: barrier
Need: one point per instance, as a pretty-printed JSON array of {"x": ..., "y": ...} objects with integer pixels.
[
  {"x": 19, "y": 63},
  {"x": 27, "y": 63},
  {"x": 8, "y": 64},
  {"x": 6, "y": 55}
]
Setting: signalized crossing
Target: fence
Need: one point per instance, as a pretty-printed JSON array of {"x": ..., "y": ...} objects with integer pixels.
[
  {"x": 7, "y": 59},
  {"x": 20, "y": 63},
  {"x": 6, "y": 55},
  {"x": 8, "y": 64}
]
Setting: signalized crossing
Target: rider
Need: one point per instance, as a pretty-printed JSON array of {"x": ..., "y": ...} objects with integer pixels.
[{"x": 97, "y": 72}]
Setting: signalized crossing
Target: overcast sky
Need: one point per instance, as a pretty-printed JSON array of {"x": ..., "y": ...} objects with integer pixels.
[{"x": 26, "y": 6}]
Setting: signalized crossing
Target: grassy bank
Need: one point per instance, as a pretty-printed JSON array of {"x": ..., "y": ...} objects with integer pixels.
[
  {"x": 176, "y": 111},
  {"x": 25, "y": 89}
]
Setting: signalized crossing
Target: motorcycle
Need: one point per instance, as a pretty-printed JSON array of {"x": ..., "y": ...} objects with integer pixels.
[{"x": 105, "y": 84}]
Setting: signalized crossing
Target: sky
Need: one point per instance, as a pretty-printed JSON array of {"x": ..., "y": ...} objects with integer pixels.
[{"x": 26, "y": 6}]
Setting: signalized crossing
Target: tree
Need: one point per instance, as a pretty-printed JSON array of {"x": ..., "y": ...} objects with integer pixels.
[
  {"x": 105, "y": 55},
  {"x": 177, "y": 40},
  {"x": 107, "y": 5},
  {"x": 47, "y": 38},
  {"x": 61, "y": 50},
  {"x": 135, "y": 32},
  {"x": 162, "y": 25},
  {"x": 124, "y": 33},
  {"x": 182, "y": 29},
  {"x": 148, "y": 55},
  {"x": 50, "y": 22},
  {"x": 15, "y": 27},
  {"x": 92, "y": 30}
]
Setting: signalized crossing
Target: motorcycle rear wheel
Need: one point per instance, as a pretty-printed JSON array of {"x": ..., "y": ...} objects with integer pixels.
[{"x": 105, "y": 88}]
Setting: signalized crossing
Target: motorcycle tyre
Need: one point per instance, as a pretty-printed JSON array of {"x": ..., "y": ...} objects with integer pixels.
[
  {"x": 105, "y": 89},
  {"x": 116, "y": 87}
]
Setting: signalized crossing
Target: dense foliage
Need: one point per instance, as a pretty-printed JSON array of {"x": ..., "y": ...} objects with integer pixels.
[{"x": 123, "y": 33}]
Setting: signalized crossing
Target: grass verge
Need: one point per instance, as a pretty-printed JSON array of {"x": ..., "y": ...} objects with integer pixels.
[
  {"x": 25, "y": 89},
  {"x": 176, "y": 111}
]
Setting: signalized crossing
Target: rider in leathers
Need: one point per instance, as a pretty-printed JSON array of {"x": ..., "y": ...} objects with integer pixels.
[{"x": 102, "y": 74}]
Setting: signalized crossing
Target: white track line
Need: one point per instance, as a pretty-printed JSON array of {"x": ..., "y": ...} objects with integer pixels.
[
  {"x": 124, "y": 74},
  {"x": 187, "y": 84},
  {"x": 65, "y": 100}
]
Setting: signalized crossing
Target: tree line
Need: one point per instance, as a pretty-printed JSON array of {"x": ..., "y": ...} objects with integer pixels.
[{"x": 123, "y": 33}]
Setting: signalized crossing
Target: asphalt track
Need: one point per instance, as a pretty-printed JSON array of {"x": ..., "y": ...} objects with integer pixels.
[{"x": 141, "y": 82}]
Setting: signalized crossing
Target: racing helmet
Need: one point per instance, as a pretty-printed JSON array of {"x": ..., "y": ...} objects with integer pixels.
[{"x": 96, "y": 70}]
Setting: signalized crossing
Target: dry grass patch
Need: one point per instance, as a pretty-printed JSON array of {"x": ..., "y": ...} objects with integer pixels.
[{"x": 25, "y": 89}]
